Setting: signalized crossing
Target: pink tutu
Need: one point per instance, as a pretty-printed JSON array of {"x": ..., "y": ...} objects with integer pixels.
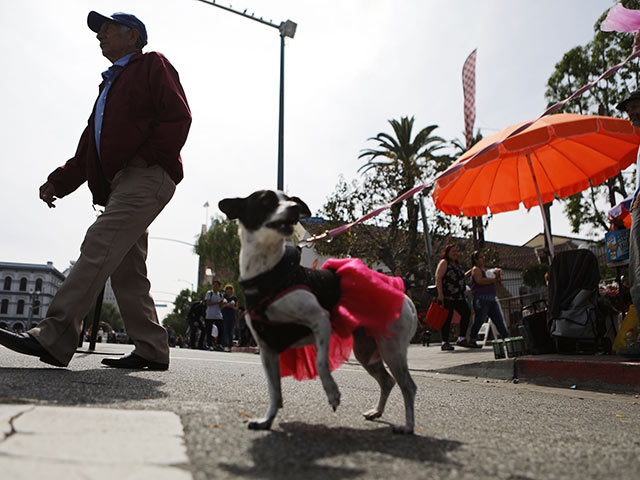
[{"x": 369, "y": 299}]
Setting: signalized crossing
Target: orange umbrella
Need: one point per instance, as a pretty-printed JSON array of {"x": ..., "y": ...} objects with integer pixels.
[{"x": 556, "y": 156}]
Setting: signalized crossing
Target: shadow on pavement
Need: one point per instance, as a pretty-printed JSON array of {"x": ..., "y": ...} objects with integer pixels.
[
  {"x": 68, "y": 387},
  {"x": 298, "y": 451}
]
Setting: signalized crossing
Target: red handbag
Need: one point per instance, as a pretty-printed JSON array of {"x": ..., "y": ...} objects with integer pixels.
[{"x": 436, "y": 316}]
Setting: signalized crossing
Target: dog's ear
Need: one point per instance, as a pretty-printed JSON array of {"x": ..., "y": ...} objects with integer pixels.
[
  {"x": 304, "y": 210},
  {"x": 231, "y": 207}
]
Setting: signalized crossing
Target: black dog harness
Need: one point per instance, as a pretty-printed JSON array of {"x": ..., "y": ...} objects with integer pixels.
[{"x": 286, "y": 276}]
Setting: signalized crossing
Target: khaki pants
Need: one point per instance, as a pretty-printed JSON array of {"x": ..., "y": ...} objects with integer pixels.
[{"x": 114, "y": 246}]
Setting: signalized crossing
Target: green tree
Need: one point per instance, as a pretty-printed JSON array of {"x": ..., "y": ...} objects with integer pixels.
[
  {"x": 177, "y": 319},
  {"x": 403, "y": 162},
  {"x": 534, "y": 275},
  {"x": 397, "y": 164},
  {"x": 108, "y": 314},
  {"x": 221, "y": 245},
  {"x": 579, "y": 66}
]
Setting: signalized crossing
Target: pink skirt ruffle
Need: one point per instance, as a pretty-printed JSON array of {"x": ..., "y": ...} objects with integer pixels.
[{"x": 368, "y": 299}]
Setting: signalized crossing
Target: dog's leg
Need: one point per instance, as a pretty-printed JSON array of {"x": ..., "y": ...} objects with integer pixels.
[
  {"x": 302, "y": 307},
  {"x": 400, "y": 370},
  {"x": 393, "y": 348},
  {"x": 271, "y": 364},
  {"x": 365, "y": 349},
  {"x": 322, "y": 332}
]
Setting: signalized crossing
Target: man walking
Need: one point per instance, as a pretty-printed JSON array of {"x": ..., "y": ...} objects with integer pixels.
[
  {"x": 213, "y": 314},
  {"x": 129, "y": 154},
  {"x": 631, "y": 105}
]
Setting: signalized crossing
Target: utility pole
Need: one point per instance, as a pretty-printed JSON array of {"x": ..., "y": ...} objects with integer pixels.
[
  {"x": 427, "y": 239},
  {"x": 286, "y": 29}
]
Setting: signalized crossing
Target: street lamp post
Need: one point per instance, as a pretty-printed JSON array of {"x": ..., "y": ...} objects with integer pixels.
[
  {"x": 34, "y": 297},
  {"x": 286, "y": 29}
]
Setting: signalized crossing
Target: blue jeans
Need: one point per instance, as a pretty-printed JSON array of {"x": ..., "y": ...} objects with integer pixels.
[
  {"x": 487, "y": 306},
  {"x": 228, "y": 324}
]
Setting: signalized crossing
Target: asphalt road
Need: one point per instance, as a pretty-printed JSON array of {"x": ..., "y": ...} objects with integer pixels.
[{"x": 466, "y": 428}]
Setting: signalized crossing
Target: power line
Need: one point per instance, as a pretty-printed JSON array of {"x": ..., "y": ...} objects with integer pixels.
[{"x": 172, "y": 240}]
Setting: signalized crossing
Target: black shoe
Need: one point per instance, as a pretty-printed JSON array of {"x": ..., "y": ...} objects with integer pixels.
[
  {"x": 134, "y": 362},
  {"x": 447, "y": 347},
  {"x": 468, "y": 344},
  {"x": 25, "y": 343}
]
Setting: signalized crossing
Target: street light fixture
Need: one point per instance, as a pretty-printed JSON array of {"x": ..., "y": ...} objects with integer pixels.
[
  {"x": 286, "y": 29},
  {"x": 186, "y": 281}
]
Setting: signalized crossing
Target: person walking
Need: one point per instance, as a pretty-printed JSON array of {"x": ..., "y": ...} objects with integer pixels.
[
  {"x": 195, "y": 321},
  {"x": 229, "y": 310},
  {"x": 129, "y": 154},
  {"x": 451, "y": 292},
  {"x": 631, "y": 105},
  {"x": 213, "y": 316},
  {"x": 485, "y": 302}
]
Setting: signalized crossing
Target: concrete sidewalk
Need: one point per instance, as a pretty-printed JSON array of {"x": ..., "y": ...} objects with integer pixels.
[
  {"x": 605, "y": 373},
  {"x": 62, "y": 443}
]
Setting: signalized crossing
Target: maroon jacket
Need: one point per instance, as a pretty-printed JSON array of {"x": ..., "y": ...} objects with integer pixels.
[{"x": 146, "y": 114}]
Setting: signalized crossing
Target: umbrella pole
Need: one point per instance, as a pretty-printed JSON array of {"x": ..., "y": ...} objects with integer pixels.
[{"x": 544, "y": 216}]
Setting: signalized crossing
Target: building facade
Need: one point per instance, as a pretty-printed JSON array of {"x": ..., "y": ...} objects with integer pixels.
[{"x": 26, "y": 291}]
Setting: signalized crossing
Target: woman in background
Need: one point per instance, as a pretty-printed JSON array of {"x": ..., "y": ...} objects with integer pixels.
[
  {"x": 451, "y": 292},
  {"x": 485, "y": 302}
]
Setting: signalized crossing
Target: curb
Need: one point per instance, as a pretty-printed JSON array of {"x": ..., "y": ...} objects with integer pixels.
[
  {"x": 245, "y": 349},
  {"x": 497, "y": 370},
  {"x": 609, "y": 374}
]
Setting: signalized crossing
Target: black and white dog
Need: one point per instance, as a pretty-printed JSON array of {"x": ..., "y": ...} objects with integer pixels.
[{"x": 300, "y": 317}]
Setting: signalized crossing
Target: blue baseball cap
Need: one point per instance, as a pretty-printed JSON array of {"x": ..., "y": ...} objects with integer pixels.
[{"x": 95, "y": 21}]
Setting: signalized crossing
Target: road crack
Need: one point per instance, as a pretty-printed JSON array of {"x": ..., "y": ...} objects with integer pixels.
[{"x": 13, "y": 430}]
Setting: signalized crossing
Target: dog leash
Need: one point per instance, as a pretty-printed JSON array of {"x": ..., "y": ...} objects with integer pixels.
[{"x": 451, "y": 174}]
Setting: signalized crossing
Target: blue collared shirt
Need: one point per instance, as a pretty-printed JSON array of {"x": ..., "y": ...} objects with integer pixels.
[{"x": 109, "y": 77}]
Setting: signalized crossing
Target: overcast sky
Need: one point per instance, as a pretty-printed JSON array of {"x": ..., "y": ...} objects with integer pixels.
[{"x": 352, "y": 66}]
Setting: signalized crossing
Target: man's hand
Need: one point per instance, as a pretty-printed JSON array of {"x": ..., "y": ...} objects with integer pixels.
[
  {"x": 47, "y": 194},
  {"x": 636, "y": 43}
]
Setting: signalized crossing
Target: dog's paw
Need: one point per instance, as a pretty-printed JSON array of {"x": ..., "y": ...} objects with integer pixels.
[
  {"x": 334, "y": 399},
  {"x": 372, "y": 414},
  {"x": 403, "y": 429},
  {"x": 260, "y": 424}
]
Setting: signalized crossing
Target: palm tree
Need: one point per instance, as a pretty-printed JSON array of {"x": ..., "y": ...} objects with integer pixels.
[{"x": 409, "y": 162}]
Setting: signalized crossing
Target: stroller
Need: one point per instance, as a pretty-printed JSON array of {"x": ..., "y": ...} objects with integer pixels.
[{"x": 577, "y": 322}]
